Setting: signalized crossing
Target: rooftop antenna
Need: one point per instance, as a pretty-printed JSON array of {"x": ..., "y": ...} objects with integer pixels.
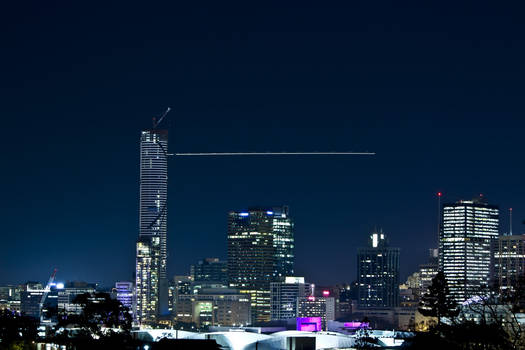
[
  {"x": 510, "y": 221},
  {"x": 439, "y": 194}
]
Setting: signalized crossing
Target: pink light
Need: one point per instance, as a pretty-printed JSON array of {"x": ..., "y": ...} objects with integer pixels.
[
  {"x": 326, "y": 293},
  {"x": 309, "y": 324},
  {"x": 311, "y": 298},
  {"x": 356, "y": 325},
  {"x": 439, "y": 194}
]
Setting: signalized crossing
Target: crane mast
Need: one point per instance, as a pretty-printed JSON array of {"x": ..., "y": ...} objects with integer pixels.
[{"x": 46, "y": 292}]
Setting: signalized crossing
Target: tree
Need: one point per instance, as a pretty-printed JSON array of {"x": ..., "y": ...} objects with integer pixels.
[
  {"x": 16, "y": 330},
  {"x": 100, "y": 310},
  {"x": 437, "y": 301}
]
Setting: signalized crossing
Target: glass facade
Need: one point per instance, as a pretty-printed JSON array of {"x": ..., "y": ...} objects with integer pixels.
[
  {"x": 210, "y": 271},
  {"x": 125, "y": 293},
  {"x": 509, "y": 261},
  {"x": 147, "y": 280},
  {"x": 468, "y": 230},
  {"x": 151, "y": 275},
  {"x": 378, "y": 273},
  {"x": 260, "y": 250},
  {"x": 284, "y": 295}
]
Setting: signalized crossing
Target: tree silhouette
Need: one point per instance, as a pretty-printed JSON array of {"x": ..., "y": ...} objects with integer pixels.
[
  {"x": 437, "y": 301},
  {"x": 99, "y": 310},
  {"x": 15, "y": 329}
]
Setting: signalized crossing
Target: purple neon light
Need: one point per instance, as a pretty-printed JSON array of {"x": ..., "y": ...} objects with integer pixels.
[
  {"x": 309, "y": 324},
  {"x": 356, "y": 325}
]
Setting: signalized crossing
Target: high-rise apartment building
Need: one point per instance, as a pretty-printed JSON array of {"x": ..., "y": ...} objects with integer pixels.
[
  {"x": 468, "y": 230},
  {"x": 284, "y": 295},
  {"x": 151, "y": 273},
  {"x": 509, "y": 261},
  {"x": 260, "y": 250},
  {"x": 378, "y": 273}
]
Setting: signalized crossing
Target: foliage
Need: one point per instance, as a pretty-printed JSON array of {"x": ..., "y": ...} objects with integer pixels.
[
  {"x": 487, "y": 322},
  {"x": 99, "y": 310},
  {"x": 16, "y": 330},
  {"x": 437, "y": 301}
]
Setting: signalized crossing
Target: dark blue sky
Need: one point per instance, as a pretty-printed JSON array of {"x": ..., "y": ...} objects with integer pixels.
[{"x": 436, "y": 90}]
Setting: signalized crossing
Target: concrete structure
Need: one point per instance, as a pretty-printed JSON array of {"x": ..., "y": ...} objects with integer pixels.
[
  {"x": 378, "y": 273},
  {"x": 293, "y": 340},
  {"x": 151, "y": 274},
  {"x": 468, "y": 231},
  {"x": 260, "y": 250}
]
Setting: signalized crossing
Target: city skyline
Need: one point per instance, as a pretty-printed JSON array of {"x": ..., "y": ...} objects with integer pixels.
[{"x": 440, "y": 106}]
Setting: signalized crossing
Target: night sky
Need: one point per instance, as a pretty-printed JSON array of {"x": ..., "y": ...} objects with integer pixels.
[{"x": 437, "y": 91}]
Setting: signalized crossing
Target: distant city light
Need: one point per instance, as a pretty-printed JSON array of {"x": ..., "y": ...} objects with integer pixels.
[
  {"x": 269, "y": 212},
  {"x": 60, "y": 285},
  {"x": 326, "y": 293},
  {"x": 244, "y": 214}
]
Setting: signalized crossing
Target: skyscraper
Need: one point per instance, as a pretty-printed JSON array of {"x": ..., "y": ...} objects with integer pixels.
[
  {"x": 260, "y": 250},
  {"x": 468, "y": 230},
  {"x": 378, "y": 273},
  {"x": 210, "y": 271},
  {"x": 151, "y": 275}
]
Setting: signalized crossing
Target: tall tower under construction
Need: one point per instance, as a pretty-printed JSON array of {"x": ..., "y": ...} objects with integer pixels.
[{"x": 151, "y": 277}]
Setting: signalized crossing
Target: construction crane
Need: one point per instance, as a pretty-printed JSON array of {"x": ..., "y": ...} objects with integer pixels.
[
  {"x": 46, "y": 292},
  {"x": 218, "y": 154}
]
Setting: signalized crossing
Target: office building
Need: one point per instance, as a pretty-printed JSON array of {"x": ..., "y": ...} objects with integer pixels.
[
  {"x": 210, "y": 271},
  {"x": 428, "y": 271},
  {"x": 30, "y": 298},
  {"x": 125, "y": 294},
  {"x": 468, "y": 231},
  {"x": 151, "y": 274},
  {"x": 284, "y": 295},
  {"x": 344, "y": 306},
  {"x": 10, "y": 297},
  {"x": 509, "y": 261},
  {"x": 214, "y": 307},
  {"x": 71, "y": 290},
  {"x": 311, "y": 306},
  {"x": 378, "y": 273},
  {"x": 260, "y": 250}
]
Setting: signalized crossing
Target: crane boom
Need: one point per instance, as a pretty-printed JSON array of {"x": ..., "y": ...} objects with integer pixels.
[
  {"x": 46, "y": 290},
  {"x": 270, "y": 154},
  {"x": 156, "y": 123}
]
